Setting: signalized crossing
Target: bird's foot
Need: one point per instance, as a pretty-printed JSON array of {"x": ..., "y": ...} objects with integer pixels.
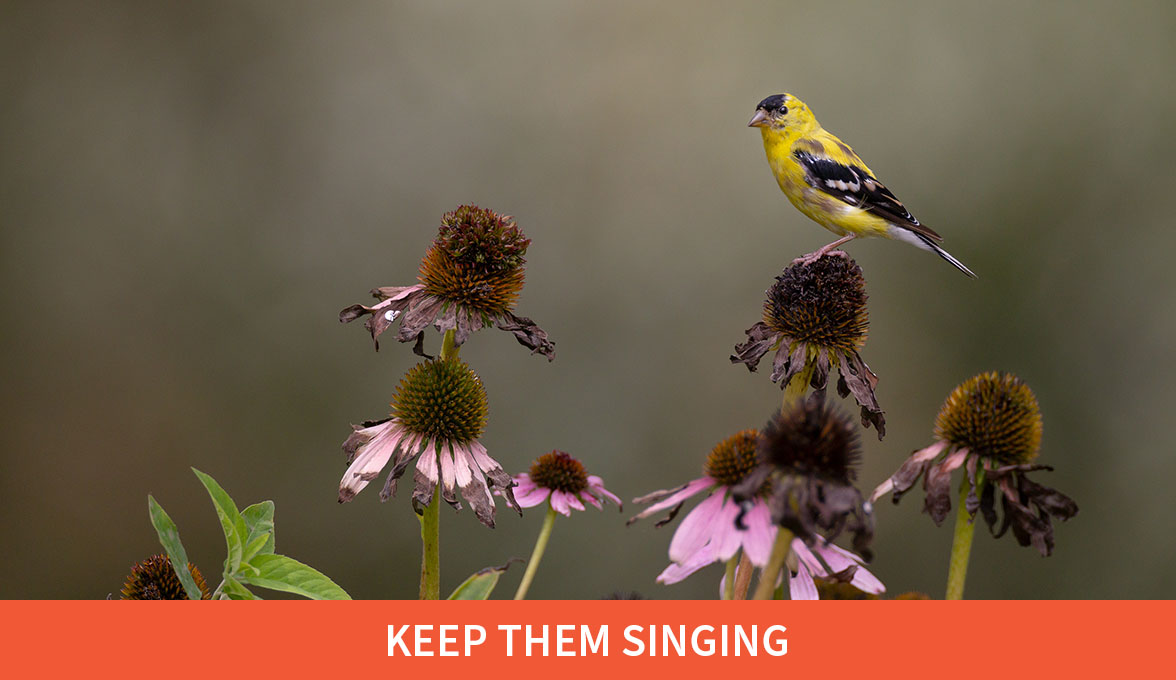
[{"x": 806, "y": 260}]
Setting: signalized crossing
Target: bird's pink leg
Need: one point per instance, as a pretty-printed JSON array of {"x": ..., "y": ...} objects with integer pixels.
[{"x": 823, "y": 251}]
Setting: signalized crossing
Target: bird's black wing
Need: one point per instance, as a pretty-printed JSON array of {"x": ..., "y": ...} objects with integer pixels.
[{"x": 857, "y": 187}]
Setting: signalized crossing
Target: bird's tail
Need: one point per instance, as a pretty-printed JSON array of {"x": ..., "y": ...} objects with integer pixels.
[{"x": 934, "y": 247}]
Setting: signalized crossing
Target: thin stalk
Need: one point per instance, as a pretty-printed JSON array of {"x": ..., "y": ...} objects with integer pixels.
[
  {"x": 431, "y": 517},
  {"x": 729, "y": 578},
  {"x": 961, "y": 544},
  {"x": 431, "y": 548},
  {"x": 795, "y": 389},
  {"x": 769, "y": 574},
  {"x": 743, "y": 577},
  {"x": 536, "y": 554}
]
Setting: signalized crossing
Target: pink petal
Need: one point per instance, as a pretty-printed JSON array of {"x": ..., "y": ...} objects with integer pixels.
[
  {"x": 587, "y": 497},
  {"x": 532, "y": 497},
  {"x": 448, "y": 473},
  {"x": 523, "y": 483},
  {"x": 727, "y": 537},
  {"x": 677, "y": 572},
  {"x": 574, "y": 502},
  {"x": 801, "y": 586},
  {"x": 760, "y": 534},
  {"x": 559, "y": 503},
  {"x": 462, "y": 462},
  {"x": 427, "y": 465},
  {"x": 696, "y": 529},
  {"x": 597, "y": 484},
  {"x": 370, "y": 458},
  {"x": 687, "y": 490},
  {"x": 483, "y": 459}
]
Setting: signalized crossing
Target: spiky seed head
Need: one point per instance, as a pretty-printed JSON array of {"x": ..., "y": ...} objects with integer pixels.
[
  {"x": 154, "y": 579},
  {"x": 814, "y": 439},
  {"x": 822, "y": 303},
  {"x": 733, "y": 458},
  {"x": 560, "y": 472},
  {"x": 993, "y": 415},
  {"x": 476, "y": 261},
  {"x": 443, "y": 399}
]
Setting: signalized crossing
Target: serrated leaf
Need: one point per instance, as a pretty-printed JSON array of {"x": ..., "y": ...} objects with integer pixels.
[
  {"x": 233, "y": 590},
  {"x": 481, "y": 584},
  {"x": 169, "y": 538},
  {"x": 278, "y": 572},
  {"x": 231, "y": 522},
  {"x": 259, "y": 522}
]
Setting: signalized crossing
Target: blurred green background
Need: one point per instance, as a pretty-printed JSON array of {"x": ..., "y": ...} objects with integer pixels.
[{"x": 189, "y": 194}]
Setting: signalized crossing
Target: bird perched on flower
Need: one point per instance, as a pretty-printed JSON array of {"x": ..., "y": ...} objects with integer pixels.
[{"x": 830, "y": 184}]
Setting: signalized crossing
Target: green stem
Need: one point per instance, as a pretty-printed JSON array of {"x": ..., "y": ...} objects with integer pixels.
[
  {"x": 431, "y": 517},
  {"x": 536, "y": 554},
  {"x": 729, "y": 578},
  {"x": 961, "y": 544},
  {"x": 769, "y": 574},
  {"x": 797, "y": 386},
  {"x": 449, "y": 348},
  {"x": 431, "y": 548}
]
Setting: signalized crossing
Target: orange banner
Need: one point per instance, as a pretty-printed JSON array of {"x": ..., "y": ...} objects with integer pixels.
[{"x": 584, "y": 638}]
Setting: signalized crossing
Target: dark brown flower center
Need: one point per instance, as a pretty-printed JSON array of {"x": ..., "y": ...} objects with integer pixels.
[
  {"x": 442, "y": 399},
  {"x": 811, "y": 438},
  {"x": 154, "y": 579},
  {"x": 994, "y": 415},
  {"x": 476, "y": 261},
  {"x": 733, "y": 458},
  {"x": 822, "y": 303},
  {"x": 560, "y": 472}
]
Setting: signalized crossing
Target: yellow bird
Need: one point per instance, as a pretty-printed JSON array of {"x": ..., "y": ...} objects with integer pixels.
[{"x": 827, "y": 181}]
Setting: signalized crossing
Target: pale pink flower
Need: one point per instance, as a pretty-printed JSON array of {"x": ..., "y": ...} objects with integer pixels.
[{"x": 561, "y": 479}]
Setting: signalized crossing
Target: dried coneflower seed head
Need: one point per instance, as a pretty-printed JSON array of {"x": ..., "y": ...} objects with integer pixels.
[
  {"x": 154, "y": 579},
  {"x": 442, "y": 399},
  {"x": 560, "y": 472},
  {"x": 733, "y": 458},
  {"x": 811, "y": 438},
  {"x": 476, "y": 261},
  {"x": 993, "y": 415},
  {"x": 822, "y": 303}
]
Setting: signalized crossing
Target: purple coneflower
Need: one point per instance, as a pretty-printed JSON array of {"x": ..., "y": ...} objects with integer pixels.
[
  {"x": 719, "y": 527},
  {"x": 470, "y": 278},
  {"x": 561, "y": 480},
  {"x": 815, "y": 318},
  {"x": 155, "y": 579},
  {"x": 438, "y": 412},
  {"x": 991, "y": 426}
]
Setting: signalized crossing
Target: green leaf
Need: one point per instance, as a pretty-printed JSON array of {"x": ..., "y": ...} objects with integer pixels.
[
  {"x": 169, "y": 538},
  {"x": 481, "y": 584},
  {"x": 231, "y": 522},
  {"x": 233, "y": 590},
  {"x": 259, "y": 521},
  {"x": 278, "y": 572}
]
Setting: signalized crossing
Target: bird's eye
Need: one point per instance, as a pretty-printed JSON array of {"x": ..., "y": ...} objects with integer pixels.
[{"x": 783, "y": 110}]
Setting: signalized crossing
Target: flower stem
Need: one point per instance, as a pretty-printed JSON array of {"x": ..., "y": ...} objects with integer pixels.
[
  {"x": 431, "y": 548},
  {"x": 431, "y": 517},
  {"x": 743, "y": 577},
  {"x": 797, "y": 386},
  {"x": 769, "y": 574},
  {"x": 729, "y": 578},
  {"x": 449, "y": 348},
  {"x": 536, "y": 554},
  {"x": 961, "y": 544}
]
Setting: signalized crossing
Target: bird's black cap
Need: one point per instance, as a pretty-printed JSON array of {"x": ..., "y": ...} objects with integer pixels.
[{"x": 773, "y": 102}]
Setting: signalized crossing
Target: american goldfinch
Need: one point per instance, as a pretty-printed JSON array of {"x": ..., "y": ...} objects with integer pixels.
[{"x": 827, "y": 181}]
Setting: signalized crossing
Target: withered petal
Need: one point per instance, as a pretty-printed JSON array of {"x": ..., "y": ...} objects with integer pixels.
[
  {"x": 796, "y": 359},
  {"x": 860, "y": 380},
  {"x": 760, "y": 339},
  {"x": 528, "y": 334}
]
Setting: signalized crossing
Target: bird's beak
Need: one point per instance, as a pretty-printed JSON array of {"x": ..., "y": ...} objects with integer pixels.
[{"x": 760, "y": 119}]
